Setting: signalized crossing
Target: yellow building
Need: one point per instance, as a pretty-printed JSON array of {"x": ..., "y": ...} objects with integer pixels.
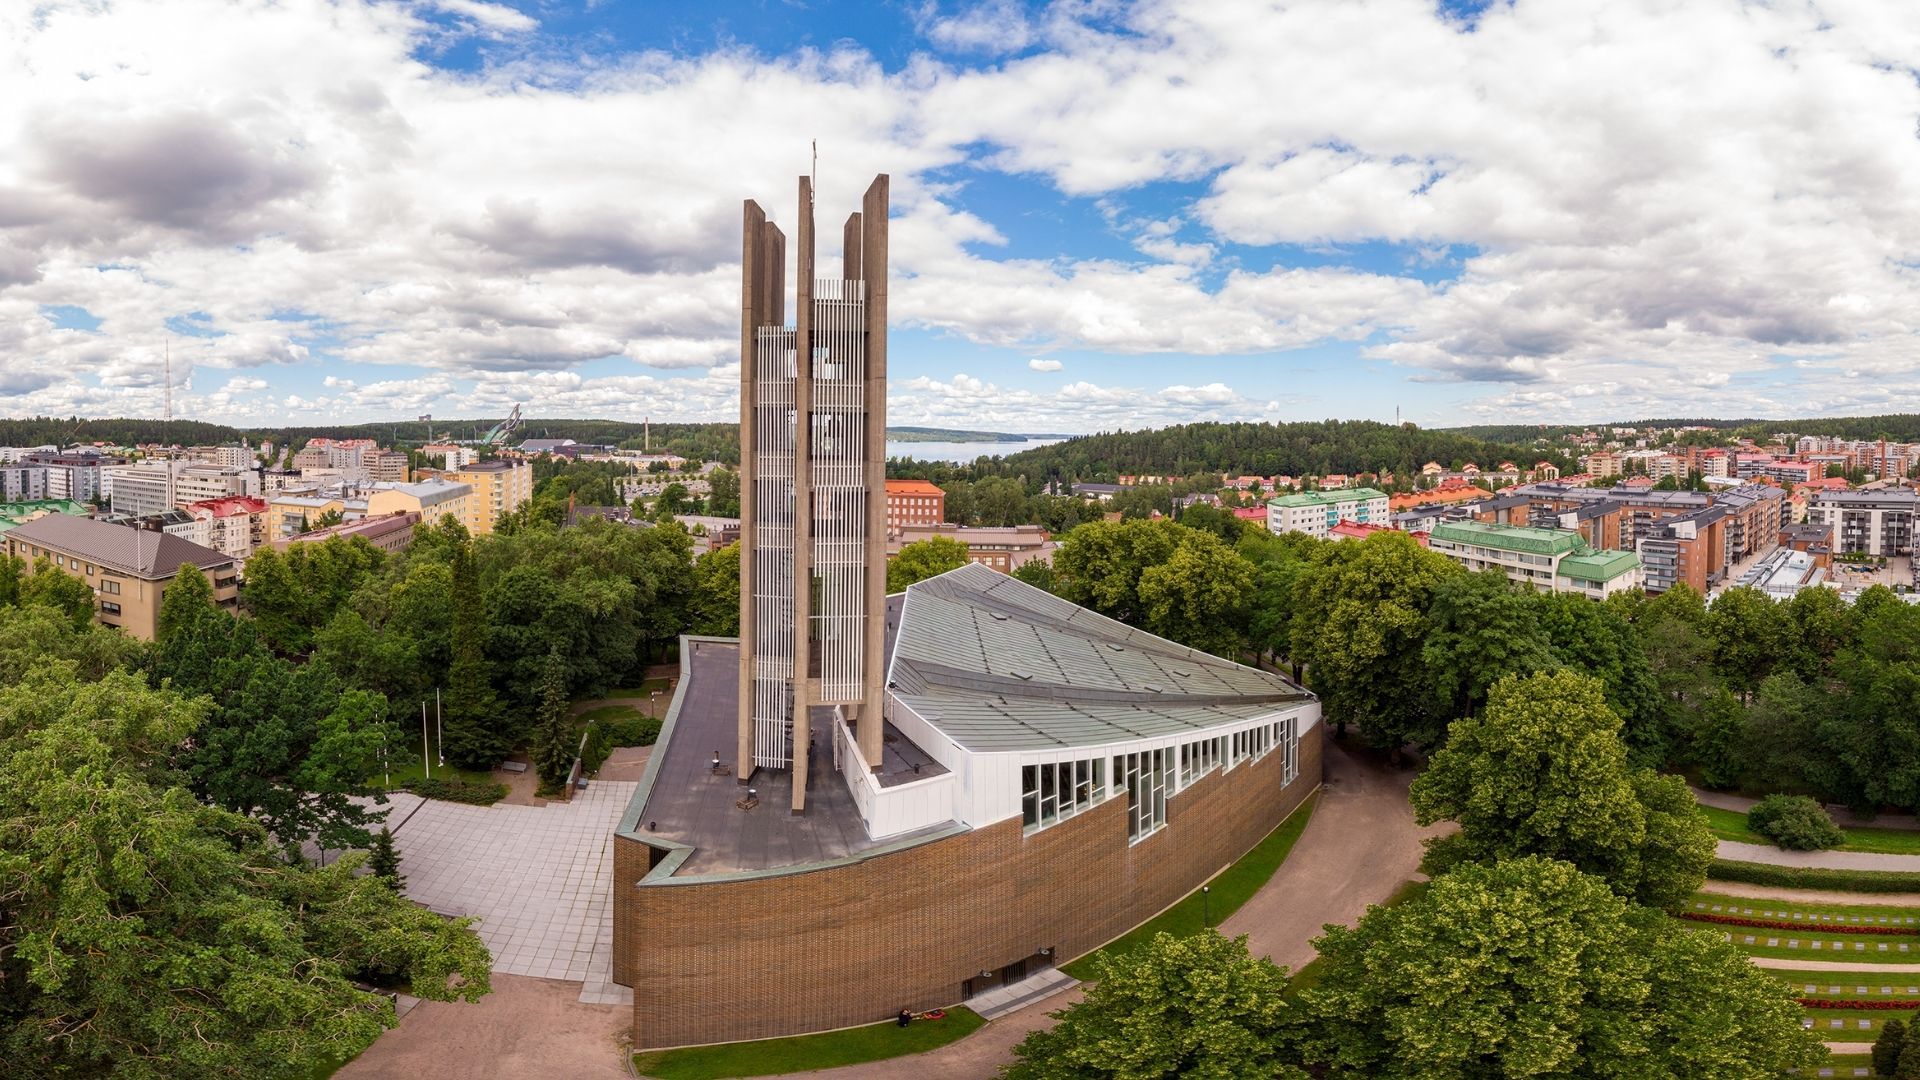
[
  {"x": 127, "y": 568},
  {"x": 432, "y": 499},
  {"x": 288, "y": 513},
  {"x": 499, "y": 487}
]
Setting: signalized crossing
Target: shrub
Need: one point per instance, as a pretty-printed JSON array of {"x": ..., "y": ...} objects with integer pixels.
[
  {"x": 1886, "y": 1049},
  {"x": 1815, "y": 877},
  {"x": 1795, "y": 822},
  {"x": 624, "y": 729},
  {"x": 1781, "y": 924},
  {"x": 460, "y": 791}
]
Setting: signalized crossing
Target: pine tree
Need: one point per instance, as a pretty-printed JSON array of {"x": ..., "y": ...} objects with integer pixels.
[
  {"x": 1909, "y": 1068},
  {"x": 475, "y": 735},
  {"x": 553, "y": 733},
  {"x": 384, "y": 861},
  {"x": 1886, "y": 1048}
]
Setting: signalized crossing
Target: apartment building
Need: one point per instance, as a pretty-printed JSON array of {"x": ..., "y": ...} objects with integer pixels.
[
  {"x": 234, "y": 525},
  {"x": 432, "y": 499},
  {"x": 1547, "y": 559},
  {"x": 200, "y": 483},
  {"x": 914, "y": 502},
  {"x": 292, "y": 512},
  {"x": 450, "y": 455},
  {"x": 128, "y": 569},
  {"x": 1878, "y": 522},
  {"x": 1315, "y": 512},
  {"x": 498, "y": 488},
  {"x": 1602, "y": 463},
  {"x": 1690, "y": 549},
  {"x": 235, "y": 457},
  {"x": 388, "y": 465},
  {"x": 23, "y": 482}
]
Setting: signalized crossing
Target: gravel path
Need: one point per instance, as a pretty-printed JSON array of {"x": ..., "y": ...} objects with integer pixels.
[
  {"x": 1782, "y": 964},
  {"x": 1832, "y": 860},
  {"x": 1842, "y": 816}
]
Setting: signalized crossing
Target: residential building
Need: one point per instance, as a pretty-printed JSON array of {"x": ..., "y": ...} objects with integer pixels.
[
  {"x": 432, "y": 499},
  {"x": 710, "y": 532},
  {"x": 235, "y": 457},
  {"x": 1353, "y": 530},
  {"x": 451, "y": 455},
  {"x": 1255, "y": 516},
  {"x": 1545, "y": 470},
  {"x": 234, "y": 525},
  {"x": 387, "y": 465},
  {"x": 1314, "y": 512},
  {"x": 1601, "y": 463},
  {"x": 1003, "y": 549},
  {"x": 290, "y": 513},
  {"x": 128, "y": 569},
  {"x": 499, "y": 487},
  {"x": 388, "y": 532},
  {"x": 14, "y": 514},
  {"x": 1867, "y": 522},
  {"x": 23, "y": 483},
  {"x": 1688, "y": 548},
  {"x": 915, "y": 502},
  {"x": 1552, "y": 560}
]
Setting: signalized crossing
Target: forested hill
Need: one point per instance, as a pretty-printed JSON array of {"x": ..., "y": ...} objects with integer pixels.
[{"x": 1307, "y": 448}]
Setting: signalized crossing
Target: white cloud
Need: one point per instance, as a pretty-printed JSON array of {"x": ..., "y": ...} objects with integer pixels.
[
  {"x": 1624, "y": 218},
  {"x": 1038, "y": 364}
]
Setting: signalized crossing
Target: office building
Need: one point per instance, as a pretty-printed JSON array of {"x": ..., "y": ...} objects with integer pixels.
[
  {"x": 141, "y": 490},
  {"x": 127, "y": 568}
]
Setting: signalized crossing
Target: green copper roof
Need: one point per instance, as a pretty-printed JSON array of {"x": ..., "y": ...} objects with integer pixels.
[
  {"x": 19, "y": 513},
  {"x": 1326, "y": 498},
  {"x": 1600, "y": 566},
  {"x": 1512, "y": 538}
]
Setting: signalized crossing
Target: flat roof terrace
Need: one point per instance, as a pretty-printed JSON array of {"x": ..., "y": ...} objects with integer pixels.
[{"x": 689, "y": 803}]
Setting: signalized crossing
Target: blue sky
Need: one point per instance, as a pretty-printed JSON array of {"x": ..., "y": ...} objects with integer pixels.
[{"x": 1106, "y": 215}]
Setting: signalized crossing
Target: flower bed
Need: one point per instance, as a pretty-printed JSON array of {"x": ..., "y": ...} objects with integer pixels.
[
  {"x": 1872, "y": 1005},
  {"x": 1815, "y": 928}
]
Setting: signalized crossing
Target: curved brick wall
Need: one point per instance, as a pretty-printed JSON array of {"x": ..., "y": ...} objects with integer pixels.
[{"x": 855, "y": 943}]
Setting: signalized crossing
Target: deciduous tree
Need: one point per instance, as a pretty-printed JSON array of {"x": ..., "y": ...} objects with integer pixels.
[
  {"x": 1196, "y": 1006},
  {"x": 923, "y": 559},
  {"x": 1542, "y": 771},
  {"x": 1528, "y": 968}
]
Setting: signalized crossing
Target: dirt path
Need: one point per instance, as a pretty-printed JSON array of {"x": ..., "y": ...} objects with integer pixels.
[
  {"x": 1776, "y": 963},
  {"x": 526, "y": 1027},
  {"x": 625, "y": 763},
  {"x": 1832, "y": 860}
]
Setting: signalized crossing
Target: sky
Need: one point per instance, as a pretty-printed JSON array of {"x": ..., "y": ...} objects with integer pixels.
[{"x": 1105, "y": 216}]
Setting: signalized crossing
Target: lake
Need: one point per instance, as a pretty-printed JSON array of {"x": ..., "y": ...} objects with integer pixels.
[{"x": 961, "y": 452}]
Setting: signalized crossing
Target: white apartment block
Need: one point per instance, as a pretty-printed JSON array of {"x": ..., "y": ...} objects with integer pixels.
[
  {"x": 22, "y": 483},
  {"x": 1315, "y": 512}
]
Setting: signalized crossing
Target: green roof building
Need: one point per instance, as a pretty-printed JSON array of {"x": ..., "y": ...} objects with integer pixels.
[
  {"x": 16, "y": 514},
  {"x": 1553, "y": 559},
  {"x": 1315, "y": 512}
]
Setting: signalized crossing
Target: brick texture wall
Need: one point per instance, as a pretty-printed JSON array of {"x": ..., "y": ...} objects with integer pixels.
[{"x": 856, "y": 943}]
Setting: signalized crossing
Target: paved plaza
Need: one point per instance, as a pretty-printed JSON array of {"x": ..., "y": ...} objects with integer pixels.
[{"x": 539, "y": 879}]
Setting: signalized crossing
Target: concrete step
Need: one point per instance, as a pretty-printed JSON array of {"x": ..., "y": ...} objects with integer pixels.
[{"x": 1015, "y": 996}]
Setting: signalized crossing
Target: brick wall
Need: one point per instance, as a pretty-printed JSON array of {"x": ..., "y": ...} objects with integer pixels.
[{"x": 855, "y": 943}]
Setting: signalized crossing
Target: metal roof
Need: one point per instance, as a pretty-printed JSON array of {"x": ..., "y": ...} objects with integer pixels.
[
  {"x": 1327, "y": 498},
  {"x": 144, "y": 553},
  {"x": 999, "y": 665}
]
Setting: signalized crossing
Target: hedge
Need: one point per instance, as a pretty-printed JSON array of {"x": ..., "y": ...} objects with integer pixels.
[
  {"x": 1872, "y": 1005},
  {"x": 1782, "y": 924},
  {"x": 605, "y": 734},
  {"x": 461, "y": 791},
  {"x": 1815, "y": 877}
]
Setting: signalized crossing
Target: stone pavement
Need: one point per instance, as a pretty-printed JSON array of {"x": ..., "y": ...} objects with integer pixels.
[{"x": 539, "y": 879}]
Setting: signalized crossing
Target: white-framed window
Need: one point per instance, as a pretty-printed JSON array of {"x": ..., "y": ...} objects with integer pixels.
[
  {"x": 1197, "y": 759},
  {"x": 1058, "y": 790},
  {"x": 1145, "y": 778},
  {"x": 1290, "y": 749}
]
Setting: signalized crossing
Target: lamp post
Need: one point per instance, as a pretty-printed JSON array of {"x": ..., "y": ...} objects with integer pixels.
[{"x": 1206, "y": 907}]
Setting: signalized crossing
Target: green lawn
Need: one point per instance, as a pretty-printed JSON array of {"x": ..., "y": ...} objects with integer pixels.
[
  {"x": 766, "y": 1057},
  {"x": 1228, "y": 890},
  {"x": 1869, "y": 956},
  {"x": 406, "y": 767},
  {"x": 1732, "y": 825},
  {"x": 1736, "y": 904},
  {"x": 1842, "y": 1064},
  {"x": 1850, "y": 1029},
  {"x": 1850, "y": 983},
  {"x": 607, "y": 713}
]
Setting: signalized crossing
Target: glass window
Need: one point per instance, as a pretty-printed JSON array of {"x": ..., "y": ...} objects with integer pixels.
[{"x": 1057, "y": 790}]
